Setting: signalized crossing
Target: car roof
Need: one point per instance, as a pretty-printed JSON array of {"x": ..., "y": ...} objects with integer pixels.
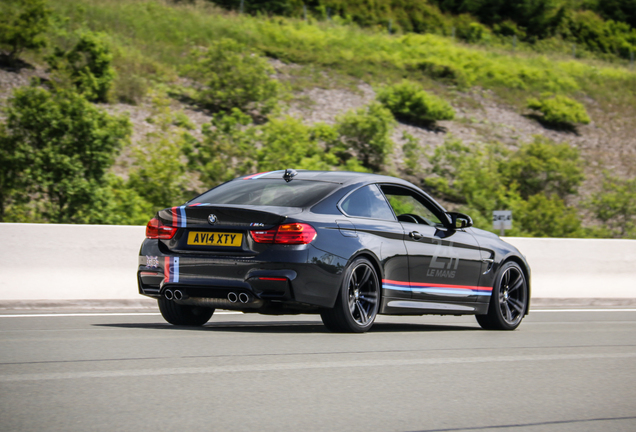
[{"x": 341, "y": 177}]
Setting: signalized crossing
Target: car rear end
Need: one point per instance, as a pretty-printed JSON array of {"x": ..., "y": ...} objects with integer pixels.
[{"x": 245, "y": 256}]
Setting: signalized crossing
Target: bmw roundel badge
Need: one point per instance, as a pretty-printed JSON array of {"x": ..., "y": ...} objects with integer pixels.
[{"x": 212, "y": 219}]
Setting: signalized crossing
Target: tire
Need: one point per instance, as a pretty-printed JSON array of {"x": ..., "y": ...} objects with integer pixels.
[
  {"x": 184, "y": 315},
  {"x": 358, "y": 300},
  {"x": 509, "y": 299}
]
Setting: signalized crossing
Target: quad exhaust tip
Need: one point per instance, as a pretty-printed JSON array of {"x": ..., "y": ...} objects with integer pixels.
[{"x": 232, "y": 296}]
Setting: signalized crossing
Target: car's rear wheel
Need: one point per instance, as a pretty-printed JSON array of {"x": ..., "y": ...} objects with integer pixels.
[
  {"x": 509, "y": 299},
  {"x": 183, "y": 314},
  {"x": 358, "y": 300}
]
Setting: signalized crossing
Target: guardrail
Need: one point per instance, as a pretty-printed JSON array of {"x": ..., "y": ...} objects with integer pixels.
[{"x": 84, "y": 262}]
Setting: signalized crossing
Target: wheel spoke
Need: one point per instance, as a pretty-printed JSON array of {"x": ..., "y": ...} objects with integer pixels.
[
  {"x": 354, "y": 279},
  {"x": 507, "y": 312},
  {"x": 368, "y": 299},
  {"x": 365, "y": 276},
  {"x": 517, "y": 284},
  {"x": 505, "y": 280},
  {"x": 352, "y": 305},
  {"x": 363, "y": 314},
  {"x": 516, "y": 304}
]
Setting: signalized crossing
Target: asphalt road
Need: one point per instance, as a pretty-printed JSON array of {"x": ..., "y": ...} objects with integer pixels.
[{"x": 560, "y": 371}]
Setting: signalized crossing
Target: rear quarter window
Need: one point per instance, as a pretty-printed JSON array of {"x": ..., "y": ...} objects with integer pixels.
[{"x": 367, "y": 202}]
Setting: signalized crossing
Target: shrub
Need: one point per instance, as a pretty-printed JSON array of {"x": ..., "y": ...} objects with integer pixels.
[
  {"x": 412, "y": 152},
  {"x": 546, "y": 216},
  {"x": 410, "y": 103},
  {"x": 88, "y": 66},
  {"x": 227, "y": 149},
  {"x": 544, "y": 166},
  {"x": 483, "y": 178},
  {"x": 470, "y": 31},
  {"x": 559, "y": 110},
  {"x": 22, "y": 25},
  {"x": 615, "y": 206},
  {"x": 288, "y": 143},
  {"x": 367, "y": 132},
  {"x": 232, "y": 77},
  {"x": 56, "y": 148},
  {"x": 445, "y": 72}
]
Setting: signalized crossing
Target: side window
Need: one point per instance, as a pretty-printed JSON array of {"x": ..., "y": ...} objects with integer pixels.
[
  {"x": 367, "y": 202},
  {"x": 410, "y": 207}
]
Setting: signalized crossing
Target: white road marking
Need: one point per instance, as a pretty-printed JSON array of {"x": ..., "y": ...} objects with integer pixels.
[
  {"x": 87, "y": 314},
  {"x": 582, "y": 310},
  {"x": 99, "y": 314},
  {"x": 303, "y": 366}
]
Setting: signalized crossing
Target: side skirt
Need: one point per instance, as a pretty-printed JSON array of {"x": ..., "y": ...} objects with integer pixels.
[{"x": 395, "y": 306}]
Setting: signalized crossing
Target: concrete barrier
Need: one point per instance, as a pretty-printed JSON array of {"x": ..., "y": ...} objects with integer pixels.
[
  {"x": 580, "y": 268},
  {"x": 69, "y": 262},
  {"x": 85, "y": 262}
]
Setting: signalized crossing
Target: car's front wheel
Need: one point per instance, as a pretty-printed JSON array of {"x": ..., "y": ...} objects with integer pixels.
[
  {"x": 358, "y": 300},
  {"x": 509, "y": 299},
  {"x": 183, "y": 314}
]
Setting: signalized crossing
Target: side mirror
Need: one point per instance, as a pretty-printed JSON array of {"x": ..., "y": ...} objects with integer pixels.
[{"x": 460, "y": 220}]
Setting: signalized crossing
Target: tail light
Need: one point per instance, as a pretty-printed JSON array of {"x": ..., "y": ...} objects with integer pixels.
[
  {"x": 295, "y": 233},
  {"x": 156, "y": 230}
]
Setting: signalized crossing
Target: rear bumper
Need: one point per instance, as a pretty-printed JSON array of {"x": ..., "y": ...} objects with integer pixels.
[{"x": 288, "y": 275}]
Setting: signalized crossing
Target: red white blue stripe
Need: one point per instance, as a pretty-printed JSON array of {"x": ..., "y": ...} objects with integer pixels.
[
  {"x": 439, "y": 289},
  {"x": 179, "y": 217},
  {"x": 171, "y": 270}
]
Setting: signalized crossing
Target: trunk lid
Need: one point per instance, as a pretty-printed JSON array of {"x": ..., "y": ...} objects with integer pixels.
[{"x": 218, "y": 228}]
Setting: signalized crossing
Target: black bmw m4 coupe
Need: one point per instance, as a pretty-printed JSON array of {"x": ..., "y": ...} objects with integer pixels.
[{"x": 345, "y": 245}]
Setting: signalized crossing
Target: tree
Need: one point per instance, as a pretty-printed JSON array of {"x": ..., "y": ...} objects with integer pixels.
[
  {"x": 615, "y": 206},
  {"x": 232, "y": 77},
  {"x": 227, "y": 149},
  {"x": 533, "y": 181},
  {"x": 542, "y": 215},
  {"x": 22, "y": 25},
  {"x": 618, "y": 10},
  {"x": 367, "y": 132},
  {"x": 544, "y": 166},
  {"x": 88, "y": 66},
  {"x": 56, "y": 148}
]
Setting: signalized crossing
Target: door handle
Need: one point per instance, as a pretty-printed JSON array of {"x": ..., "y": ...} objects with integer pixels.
[{"x": 415, "y": 235}]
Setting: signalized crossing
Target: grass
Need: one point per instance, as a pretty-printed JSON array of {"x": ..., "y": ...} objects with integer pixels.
[{"x": 151, "y": 36}]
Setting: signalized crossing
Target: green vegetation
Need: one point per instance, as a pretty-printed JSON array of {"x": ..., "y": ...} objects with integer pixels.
[
  {"x": 601, "y": 27},
  {"x": 367, "y": 132},
  {"x": 615, "y": 206},
  {"x": 22, "y": 25},
  {"x": 57, "y": 148},
  {"x": 533, "y": 181},
  {"x": 149, "y": 41},
  {"x": 233, "y": 77},
  {"x": 559, "y": 110},
  {"x": 410, "y": 103},
  {"x": 88, "y": 66}
]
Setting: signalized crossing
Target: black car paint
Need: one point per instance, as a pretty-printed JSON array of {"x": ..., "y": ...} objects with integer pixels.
[{"x": 314, "y": 271}]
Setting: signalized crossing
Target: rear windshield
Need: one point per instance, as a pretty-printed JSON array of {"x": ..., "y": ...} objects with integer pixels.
[{"x": 268, "y": 192}]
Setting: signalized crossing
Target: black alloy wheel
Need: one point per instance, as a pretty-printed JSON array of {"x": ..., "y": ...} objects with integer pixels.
[
  {"x": 358, "y": 300},
  {"x": 509, "y": 300},
  {"x": 184, "y": 315}
]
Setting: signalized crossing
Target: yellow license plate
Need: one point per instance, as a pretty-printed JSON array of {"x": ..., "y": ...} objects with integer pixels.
[{"x": 197, "y": 238}]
